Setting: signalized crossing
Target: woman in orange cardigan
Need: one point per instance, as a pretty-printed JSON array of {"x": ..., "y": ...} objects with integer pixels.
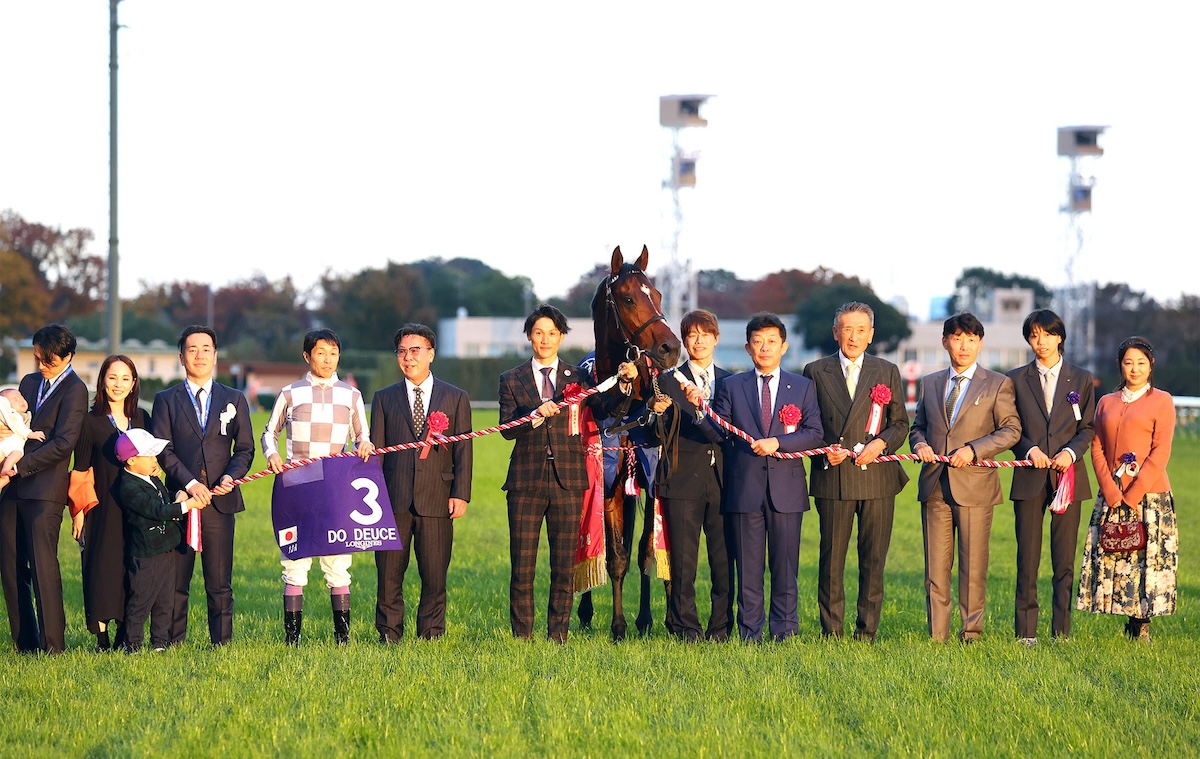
[{"x": 1134, "y": 426}]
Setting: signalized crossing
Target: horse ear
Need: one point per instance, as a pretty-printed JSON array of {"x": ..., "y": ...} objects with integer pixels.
[
  {"x": 641, "y": 262},
  {"x": 618, "y": 260}
]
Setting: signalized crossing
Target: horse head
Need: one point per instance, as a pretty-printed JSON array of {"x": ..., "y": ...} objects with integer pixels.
[{"x": 628, "y": 319}]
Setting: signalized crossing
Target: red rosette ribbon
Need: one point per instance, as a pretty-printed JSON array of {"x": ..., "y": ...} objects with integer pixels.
[
  {"x": 790, "y": 416},
  {"x": 881, "y": 395},
  {"x": 572, "y": 393},
  {"x": 436, "y": 425}
]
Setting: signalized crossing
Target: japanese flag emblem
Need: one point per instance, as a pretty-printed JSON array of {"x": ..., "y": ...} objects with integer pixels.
[{"x": 287, "y": 536}]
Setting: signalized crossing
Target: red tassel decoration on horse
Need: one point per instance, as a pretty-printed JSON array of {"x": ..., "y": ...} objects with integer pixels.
[
  {"x": 660, "y": 557},
  {"x": 591, "y": 570}
]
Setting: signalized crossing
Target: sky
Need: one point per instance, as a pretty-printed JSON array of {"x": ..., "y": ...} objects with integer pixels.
[{"x": 896, "y": 142}]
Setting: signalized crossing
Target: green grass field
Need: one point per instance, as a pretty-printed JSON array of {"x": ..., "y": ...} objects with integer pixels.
[{"x": 479, "y": 692}]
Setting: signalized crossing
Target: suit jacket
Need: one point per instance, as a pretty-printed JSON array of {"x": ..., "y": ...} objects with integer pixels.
[
  {"x": 1054, "y": 431},
  {"x": 428, "y": 484},
  {"x": 519, "y": 396},
  {"x": 748, "y": 476},
  {"x": 43, "y": 474},
  {"x": 987, "y": 421},
  {"x": 205, "y": 455},
  {"x": 153, "y": 524},
  {"x": 845, "y": 423},
  {"x": 699, "y": 441}
]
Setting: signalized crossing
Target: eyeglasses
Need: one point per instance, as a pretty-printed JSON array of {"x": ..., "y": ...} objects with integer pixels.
[{"x": 414, "y": 352}]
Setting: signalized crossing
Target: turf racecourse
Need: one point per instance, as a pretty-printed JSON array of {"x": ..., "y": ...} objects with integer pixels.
[{"x": 479, "y": 692}]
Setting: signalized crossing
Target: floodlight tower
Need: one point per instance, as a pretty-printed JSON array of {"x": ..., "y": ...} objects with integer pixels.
[
  {"x": 1076, "y": 301},
  {"x": 677, "y": 280}
]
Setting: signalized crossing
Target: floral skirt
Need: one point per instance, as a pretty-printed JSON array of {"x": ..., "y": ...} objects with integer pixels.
[{"x": 1140, "y": 584}]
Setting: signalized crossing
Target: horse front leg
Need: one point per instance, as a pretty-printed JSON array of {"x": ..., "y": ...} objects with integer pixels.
[
  {"x": 617, "y": 558},
  {"x": 645, "y": 617},
  {"x": 585, "y": 611}
]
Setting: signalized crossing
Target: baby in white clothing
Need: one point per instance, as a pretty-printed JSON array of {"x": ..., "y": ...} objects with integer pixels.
[{"x": 14, "y": 416}]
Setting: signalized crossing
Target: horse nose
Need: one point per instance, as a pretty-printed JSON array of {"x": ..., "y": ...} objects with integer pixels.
[{"x": 668, "y": 351}]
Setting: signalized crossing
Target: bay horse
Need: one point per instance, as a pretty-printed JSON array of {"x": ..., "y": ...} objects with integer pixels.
[{"x": 630, "y": 326}]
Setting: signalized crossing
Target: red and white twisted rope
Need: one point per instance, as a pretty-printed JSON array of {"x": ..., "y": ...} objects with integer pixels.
[
  {"x": 439, "y": 439},
  {"x": 990, "y": 463}
]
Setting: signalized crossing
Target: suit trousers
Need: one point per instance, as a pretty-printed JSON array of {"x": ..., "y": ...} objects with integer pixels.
[
  {"x": 685, "y": 518},
  {"x": 875, "y": 519},
  {"x": 29, "y": 567},
  {"x": 216, "y": 561},
  {"x": 432, "y": 539},
  {"x": 151, "y": 593},
  {"x": 1064, "y": 535},
  {"x": 526, "y": 509},
  {"x": 941, "y": 518},
  {"x": 779, "y": 534}
]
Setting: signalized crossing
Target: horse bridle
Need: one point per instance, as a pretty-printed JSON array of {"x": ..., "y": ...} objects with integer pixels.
[{"x": 632, "y": 351}]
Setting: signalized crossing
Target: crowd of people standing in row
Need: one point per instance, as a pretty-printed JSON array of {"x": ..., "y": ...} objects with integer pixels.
[{"x": 748, "y": 504}]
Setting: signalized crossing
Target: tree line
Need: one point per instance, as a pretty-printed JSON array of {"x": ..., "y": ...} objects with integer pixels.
[{"x": 49, "y": 274}]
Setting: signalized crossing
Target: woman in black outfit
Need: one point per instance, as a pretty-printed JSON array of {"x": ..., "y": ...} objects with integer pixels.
[{"x": 99, "y": 529}]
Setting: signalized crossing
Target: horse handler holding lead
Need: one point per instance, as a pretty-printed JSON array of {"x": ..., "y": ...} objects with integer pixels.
[{"x": 547, "y": 473}]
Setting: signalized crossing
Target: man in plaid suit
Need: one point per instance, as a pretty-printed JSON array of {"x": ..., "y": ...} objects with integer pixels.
[
  {"x": 547, "y": 473},
  {"x": 319, "y": 412}
]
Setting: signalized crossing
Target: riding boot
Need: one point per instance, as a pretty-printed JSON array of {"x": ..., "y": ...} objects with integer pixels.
[
  {"x": 292, "y": 621},
  {"x": 341, "y": 617},
  {"x": 293, "y": 617}
]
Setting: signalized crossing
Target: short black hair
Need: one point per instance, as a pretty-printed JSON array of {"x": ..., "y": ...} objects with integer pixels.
[
  {"x": 762, "y": 321},
  {"x": 546, "y": 311},
  {"x": 196, "y": 329},
  {"x": 414, "y": 329},
  {"x": 1049, "y": 322},
  {"x": 313, "y": 336},
  {"x": 55, "y": 339},
  {"x": 964, "y": 322}
]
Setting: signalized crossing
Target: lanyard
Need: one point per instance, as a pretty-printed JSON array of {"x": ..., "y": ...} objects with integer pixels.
[
  {"x": 49, "y": 387},
  {"x": 201, "y": 409}
]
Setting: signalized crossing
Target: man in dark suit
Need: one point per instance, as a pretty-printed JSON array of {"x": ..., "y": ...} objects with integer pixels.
[
  {"x": 32, "y": 506},
  {"x": 428, "y": 491},
  {"x": 862, "y": 410},
  {"x": 211, "y": 443},
  {"x": 547, "y": 473},
  {"x": 691, "y": 494},
  {"x": 766, "y": 497},
  {"x": 968, "y": 414},
  {"x": 1055, "y": 434}
]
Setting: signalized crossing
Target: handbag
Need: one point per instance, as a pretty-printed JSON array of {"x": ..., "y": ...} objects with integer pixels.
[{"x": 1122, "y": 537}]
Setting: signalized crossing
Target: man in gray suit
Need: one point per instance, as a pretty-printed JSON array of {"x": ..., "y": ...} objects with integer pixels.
[
  {"x": 967, "y": 414},
  {"x": 862, "y": 410}
]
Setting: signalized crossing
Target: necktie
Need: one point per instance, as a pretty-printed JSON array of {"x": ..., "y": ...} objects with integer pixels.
[
  {"x": 547, "y": 386},
  {"x": 200, "y": 407},
  {"x": 705, "y": 387},
  {"x": 766, "y": 404},
  {"x": 1048, "y": 390},
  {"x": 851, "y": 379},
  {"x": 952, "y": 399},
  {"x": 42, "y": 393},
  {"x": 418, "y": 412}
]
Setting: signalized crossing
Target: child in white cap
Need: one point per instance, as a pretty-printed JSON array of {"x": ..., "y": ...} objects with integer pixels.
[{"x": 153, "y": 530}]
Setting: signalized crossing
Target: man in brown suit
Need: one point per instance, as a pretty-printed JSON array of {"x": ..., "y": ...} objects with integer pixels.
[
  {"x": 968, "y": 414},
  {"x": 547, "y": 473}
]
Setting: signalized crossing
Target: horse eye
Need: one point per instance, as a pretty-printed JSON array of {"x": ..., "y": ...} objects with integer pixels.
[{"x": 628, "y": 301}]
